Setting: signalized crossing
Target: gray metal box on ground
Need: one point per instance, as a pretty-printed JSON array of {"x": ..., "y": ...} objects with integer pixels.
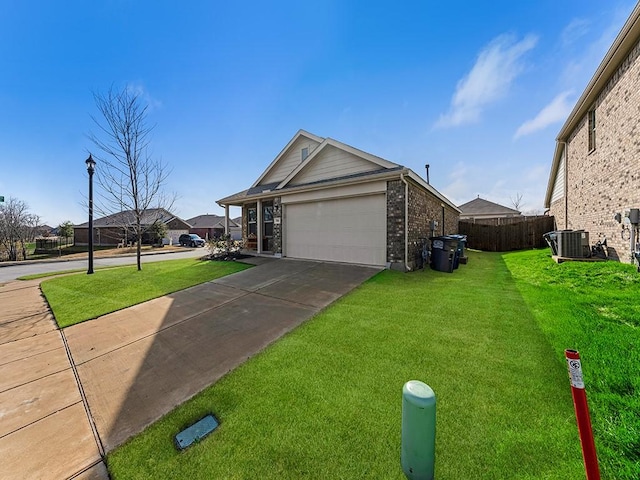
[{"x": 570, "y": 243}]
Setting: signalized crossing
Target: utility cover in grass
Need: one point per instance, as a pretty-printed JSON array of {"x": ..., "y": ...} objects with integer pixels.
[{"x": 196, "y": 432}]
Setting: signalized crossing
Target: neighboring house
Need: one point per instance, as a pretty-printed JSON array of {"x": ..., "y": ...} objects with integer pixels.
[
  {"x": 594, "y": 174},
  {"x": 321, "y": 199},
  {"x": 117, "y": 229},
  {"x": 44, "y": 231},
  {"x": 212, "y": 226},
  {"x": 485, "y": 212}
]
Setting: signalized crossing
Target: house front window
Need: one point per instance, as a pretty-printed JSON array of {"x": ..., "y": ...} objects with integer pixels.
[{"x": 252, "y": 221}]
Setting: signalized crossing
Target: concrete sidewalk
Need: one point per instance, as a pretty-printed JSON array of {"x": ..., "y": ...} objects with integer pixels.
[
  {"x": 138, "y": 364},
  {"x": 44, "y": 428}
]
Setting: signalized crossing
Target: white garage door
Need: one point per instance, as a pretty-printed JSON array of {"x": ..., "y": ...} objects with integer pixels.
[{"x": 352, "y": 230}]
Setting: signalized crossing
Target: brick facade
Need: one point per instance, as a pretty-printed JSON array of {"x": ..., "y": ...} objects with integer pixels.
[
  {"x": 395, "y": 221},
  {"x": 606, "y": 180},
  {"x": 277, "y": 226},
  {"x": 423, "y": 208}
]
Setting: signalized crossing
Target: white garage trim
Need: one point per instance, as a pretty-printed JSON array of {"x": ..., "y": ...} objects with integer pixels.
[
  {"x": 351, "y": 230},
  {"x": 337, "y": 192}
]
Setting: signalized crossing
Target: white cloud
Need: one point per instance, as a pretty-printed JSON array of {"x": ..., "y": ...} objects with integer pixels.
[
  {"x": 578, "y": 70},
  {"x": 457, "y": 190},
  {"x": 496, "y": 67},
  {"x": 577, "y": 28},
  {"x": 556, "y": 111},
  {"x": 139, "y": 90}
]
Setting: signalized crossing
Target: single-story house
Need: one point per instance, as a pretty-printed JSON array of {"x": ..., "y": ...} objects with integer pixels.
[
  {"x": 212, "y": 226},
  {"x": 594, "y": 173},
  {"x": 117, "y": 229},
  {"x": 485, "y": 212},
  {"x": 322, "y": 199}
]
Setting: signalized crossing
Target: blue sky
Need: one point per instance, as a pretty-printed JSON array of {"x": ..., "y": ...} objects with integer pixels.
[{"x": 478, "y": 90}]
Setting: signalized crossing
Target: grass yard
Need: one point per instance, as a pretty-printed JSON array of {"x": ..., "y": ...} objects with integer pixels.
[
  {"x": 76, "y": 298},
  {"x": 325, "y": 401},
  {"x": 593, "y": 308}
]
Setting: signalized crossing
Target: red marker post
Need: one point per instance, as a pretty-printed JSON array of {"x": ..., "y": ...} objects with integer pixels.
[{"x": 582, "y": 415}]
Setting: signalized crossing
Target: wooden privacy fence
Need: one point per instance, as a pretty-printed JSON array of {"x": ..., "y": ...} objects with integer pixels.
[{"x": 502, "y": 238}]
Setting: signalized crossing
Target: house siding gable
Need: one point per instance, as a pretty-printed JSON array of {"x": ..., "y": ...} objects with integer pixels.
[
  {"x": 558, "y": 185},
  {"x": 289, "y": 161},
  {"x": 332, "y": 162}
]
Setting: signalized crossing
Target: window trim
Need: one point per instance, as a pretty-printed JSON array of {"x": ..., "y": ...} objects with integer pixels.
[{"x": 252, "y": 223}]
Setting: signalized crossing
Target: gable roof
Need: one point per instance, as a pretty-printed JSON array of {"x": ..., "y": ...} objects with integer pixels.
[
  {"x": 209, "y": 221},
  {"x": 627, "y": 38},
  {"x": 127, "y": 217},
  {"x": 360, "y": 167},
  {"x": 480, "y": 206},
  {"x": 285, "y": 150},
  {"x": 329, "y": 142}
]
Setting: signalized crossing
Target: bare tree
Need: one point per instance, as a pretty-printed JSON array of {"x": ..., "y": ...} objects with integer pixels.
[
  {"x": 17, "y": 228},
  {"x": 517, "y": 201},
  {"x": 131, "y": 180}
]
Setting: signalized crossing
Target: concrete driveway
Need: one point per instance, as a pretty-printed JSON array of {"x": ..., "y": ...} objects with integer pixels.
[{"x": 137, "y": 364}]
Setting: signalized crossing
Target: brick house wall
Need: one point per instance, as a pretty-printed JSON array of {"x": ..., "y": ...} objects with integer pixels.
[
  {"x": 423, "y": 208},
  {"x": 277, "y": 226},
  {"x": 607, "y": 180},
  {"x": 395, "y": 221},
  {"x": 102, "y": 236}
]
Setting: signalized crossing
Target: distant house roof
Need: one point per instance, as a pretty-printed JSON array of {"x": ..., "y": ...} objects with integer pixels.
[
  {"x": 209, "y": 221},
  {"x": 481, "y": 207},
  {"x": 127, "y": 217}
]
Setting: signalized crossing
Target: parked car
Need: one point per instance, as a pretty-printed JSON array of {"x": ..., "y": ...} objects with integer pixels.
[{"x": 191, "y": 240}]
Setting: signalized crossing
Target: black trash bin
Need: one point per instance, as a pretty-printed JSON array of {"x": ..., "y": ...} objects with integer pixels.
[
  {"x": 552, "y": 240},
  {"x": 462, "y": 244},
  {"x": 443, "y": 253}
]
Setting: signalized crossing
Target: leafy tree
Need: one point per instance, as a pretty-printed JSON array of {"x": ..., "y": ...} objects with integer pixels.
[
  {"x": 65, "y": 230},
  {"x": 130, "y": 178},
  {"x": 158, "y": 230}
]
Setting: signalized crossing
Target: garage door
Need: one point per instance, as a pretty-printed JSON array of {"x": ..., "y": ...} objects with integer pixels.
[{"x": 352, "y": 230}]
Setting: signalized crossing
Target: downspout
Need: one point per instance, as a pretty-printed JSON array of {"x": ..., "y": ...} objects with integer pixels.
[
  {"x": 566, "y": 185},
  {"x": 406, "y": 221}
]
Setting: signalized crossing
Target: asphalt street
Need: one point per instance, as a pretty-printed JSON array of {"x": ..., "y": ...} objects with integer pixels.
[{"x": 9, "y": 273}]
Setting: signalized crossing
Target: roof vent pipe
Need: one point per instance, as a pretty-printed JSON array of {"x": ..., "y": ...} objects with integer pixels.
[{"x": 427, "y": 167}]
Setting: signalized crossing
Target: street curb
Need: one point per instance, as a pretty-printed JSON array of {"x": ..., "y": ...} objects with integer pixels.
[{"x": 62, "y": 260}]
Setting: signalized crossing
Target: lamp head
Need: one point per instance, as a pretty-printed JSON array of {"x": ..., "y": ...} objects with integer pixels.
[{"x": 91, "y": 164}]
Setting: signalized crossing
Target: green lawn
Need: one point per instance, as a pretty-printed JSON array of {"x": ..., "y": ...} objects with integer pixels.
[
  {"x": 76, "y": 298},
  {"x": 593, "y": 308},
  {"x": 325, "y": 401}
]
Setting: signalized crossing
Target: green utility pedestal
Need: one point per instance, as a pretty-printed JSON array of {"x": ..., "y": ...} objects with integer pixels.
[{"x": 418, "y": 431}]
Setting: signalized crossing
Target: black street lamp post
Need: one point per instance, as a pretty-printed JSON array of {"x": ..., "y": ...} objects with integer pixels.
[{"x": 91, "y": 164}]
